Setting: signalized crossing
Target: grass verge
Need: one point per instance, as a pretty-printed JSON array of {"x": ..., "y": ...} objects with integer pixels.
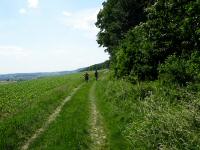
[
  {"x": 111, "y": 118},
  {"x": 150, "y": 115}
]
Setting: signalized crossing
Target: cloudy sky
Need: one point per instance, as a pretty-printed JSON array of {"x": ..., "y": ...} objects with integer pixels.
[{"x": 48, "y": 35}]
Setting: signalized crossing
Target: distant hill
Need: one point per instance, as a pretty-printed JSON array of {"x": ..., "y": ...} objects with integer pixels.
[{"x": 30, "y": 76}]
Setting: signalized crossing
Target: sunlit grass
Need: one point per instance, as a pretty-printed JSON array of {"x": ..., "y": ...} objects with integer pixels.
[
  {"x": 150, "y": 115},
  {"x": 26, "y": 105},
  {"x": 70, "y": 130}
]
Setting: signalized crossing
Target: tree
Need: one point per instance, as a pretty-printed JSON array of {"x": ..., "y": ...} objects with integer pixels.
[
  {"x": 139, "y": 40},
  {"x": 174, "y": 28},
  {"x": 116, "y": 18},
  {"x": 134, "y": 55}
]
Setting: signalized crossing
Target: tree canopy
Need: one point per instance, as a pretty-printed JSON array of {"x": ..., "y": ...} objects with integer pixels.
[
  {"x": 141, "y": 35},
  {"x": 116, "y": 18}
]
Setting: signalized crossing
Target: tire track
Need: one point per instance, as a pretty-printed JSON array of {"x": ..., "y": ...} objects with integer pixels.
[
  {"x": 50, "y": 119},
  {"x": 97, "y": 131}
]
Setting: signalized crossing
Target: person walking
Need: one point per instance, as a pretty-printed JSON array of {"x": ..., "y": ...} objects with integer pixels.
[
  {"x": 86, "y": 77},
  {"x": 96, "y": 75}
]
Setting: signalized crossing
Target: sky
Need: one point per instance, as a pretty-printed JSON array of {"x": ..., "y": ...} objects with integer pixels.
[{"x": 48, "y": 35}]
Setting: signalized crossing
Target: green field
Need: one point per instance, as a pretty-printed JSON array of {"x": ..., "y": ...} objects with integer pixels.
[
  {"x": 71, "y": 128},
  {"x": 26, "y": 105},
  {"x": 105, "y": 114}
]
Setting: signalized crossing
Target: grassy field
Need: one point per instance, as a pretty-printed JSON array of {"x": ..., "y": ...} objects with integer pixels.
[
  {"x": 71, "y": 128},
  {"x": 26, "y": 105},
  {"x": 124, "y": 116}
]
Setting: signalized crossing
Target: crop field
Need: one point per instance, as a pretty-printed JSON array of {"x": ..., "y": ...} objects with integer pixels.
[{"x": 25, "y": 105}]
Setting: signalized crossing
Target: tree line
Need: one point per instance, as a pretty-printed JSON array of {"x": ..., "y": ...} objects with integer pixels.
[
  {"x": 104, "y": 65},
  {"x": 152, "y": 39}
]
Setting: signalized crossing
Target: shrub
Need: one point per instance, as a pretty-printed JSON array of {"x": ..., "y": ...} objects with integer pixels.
[
  {"x": 180, "y": 70},
  {"x": 134, "y": 55}
]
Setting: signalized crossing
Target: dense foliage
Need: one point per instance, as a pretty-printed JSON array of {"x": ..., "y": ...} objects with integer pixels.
[
  {"x": 180, "y": 70},
  {"x": 115, "y": 20},
  {"x": 141, "y": 37}
]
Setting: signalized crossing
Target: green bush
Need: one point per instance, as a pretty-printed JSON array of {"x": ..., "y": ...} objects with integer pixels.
[
  {"x": 180, "y": 70},
  {"x": 134, "y": 55}
]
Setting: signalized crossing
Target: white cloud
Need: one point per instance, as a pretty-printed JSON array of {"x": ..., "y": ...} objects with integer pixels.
[
  {"x": 22, "y": 11},
  {"x": 82, "y": 20},
  {"x": 67, "y": 14},
  {"x": 13, "y": 51},
  {"x": 33, "y": 3}
]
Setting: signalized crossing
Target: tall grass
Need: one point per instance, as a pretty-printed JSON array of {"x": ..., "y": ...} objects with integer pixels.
[{"x": 150, "y": 115}]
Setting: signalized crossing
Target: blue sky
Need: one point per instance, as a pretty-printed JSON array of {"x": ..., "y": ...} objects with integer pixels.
[{"x": 48, "y": 35}]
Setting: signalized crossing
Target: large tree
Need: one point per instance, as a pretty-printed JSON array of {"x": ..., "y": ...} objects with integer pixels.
[
  {"x": 115, "y": 20},
  {"x": 174, "y": 28}
]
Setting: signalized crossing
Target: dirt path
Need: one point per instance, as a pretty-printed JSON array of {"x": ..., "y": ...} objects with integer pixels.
[
  {"x": 50, "y": 119},
  {"x": 97, "y": 131}
]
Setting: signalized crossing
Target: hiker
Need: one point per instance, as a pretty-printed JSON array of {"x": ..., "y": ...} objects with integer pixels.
[
  {"x": 96, "y": 75},
  {"x": 86, "y": 77}
]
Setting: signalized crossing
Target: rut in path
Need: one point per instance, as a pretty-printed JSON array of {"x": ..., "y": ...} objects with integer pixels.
[
  {"x": 97, "y": 131},
  {"x": 50, "y": 119}
]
